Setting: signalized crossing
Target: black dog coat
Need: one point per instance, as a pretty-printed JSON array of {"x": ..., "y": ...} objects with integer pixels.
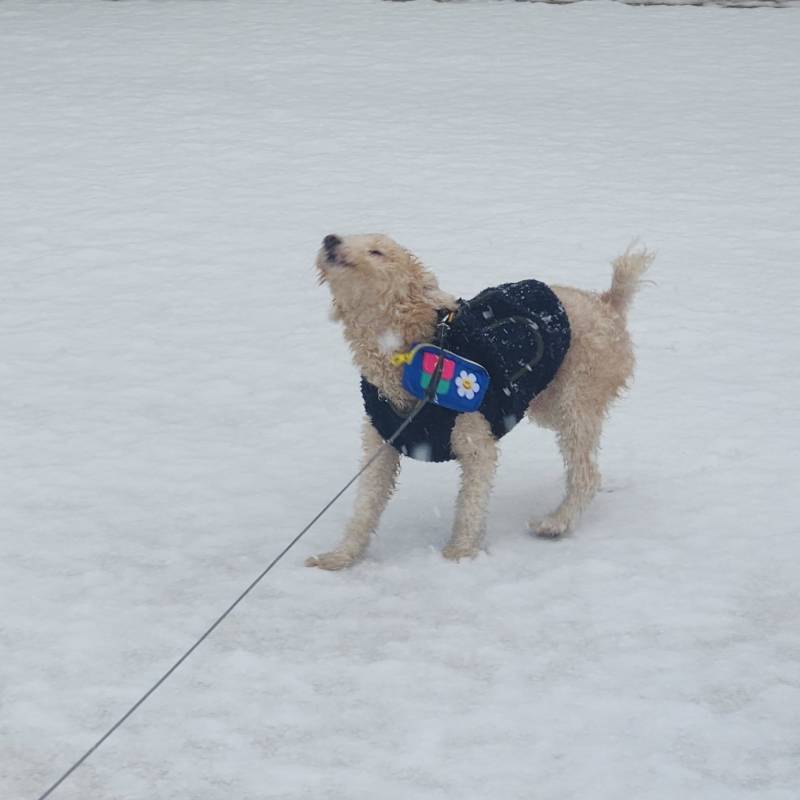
[{"x": 519, "y": 332}]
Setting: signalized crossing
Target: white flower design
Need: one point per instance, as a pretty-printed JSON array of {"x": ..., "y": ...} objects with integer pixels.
[{"x": 467, "y": 384}]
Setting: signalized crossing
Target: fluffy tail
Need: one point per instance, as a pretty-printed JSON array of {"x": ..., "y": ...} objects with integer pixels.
[{"x": 628, "y": 270}]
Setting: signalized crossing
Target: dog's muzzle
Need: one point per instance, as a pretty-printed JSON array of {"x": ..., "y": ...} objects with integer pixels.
[{"x": 330, "y": 245}]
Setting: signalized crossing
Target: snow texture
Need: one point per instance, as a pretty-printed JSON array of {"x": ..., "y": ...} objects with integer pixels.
[
  {"x": 175, "y": 404},
  {"x": 389, "y": 342},
  {"x": 720, "y": 3}
]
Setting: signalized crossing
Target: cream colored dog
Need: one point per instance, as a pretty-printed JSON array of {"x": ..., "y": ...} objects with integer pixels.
[{"x": 387, "y": 301}]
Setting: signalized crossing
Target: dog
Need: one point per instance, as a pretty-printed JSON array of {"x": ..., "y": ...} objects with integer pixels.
[{"x": 388, "y": 301}]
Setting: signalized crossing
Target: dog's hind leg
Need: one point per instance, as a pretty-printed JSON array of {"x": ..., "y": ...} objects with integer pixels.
[
  {"x": 578, "y": 438},
  {"x": 375, "y": 487},
  {"x": 476, "y": 450}
]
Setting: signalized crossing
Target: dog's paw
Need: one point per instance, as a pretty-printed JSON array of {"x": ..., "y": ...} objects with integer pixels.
[
  {"x": 455, "y": 551},
  {"x": 550, "y": 527},
  {"x": 334, "y": 560}
]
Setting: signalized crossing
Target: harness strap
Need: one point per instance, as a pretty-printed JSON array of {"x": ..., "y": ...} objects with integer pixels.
[
  {"x": 539, "y": 343},
  {"x": 443, "y": 327}
]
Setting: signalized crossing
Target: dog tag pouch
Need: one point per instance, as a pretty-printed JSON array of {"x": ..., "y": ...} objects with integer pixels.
[{"x": 462, "y": 383}]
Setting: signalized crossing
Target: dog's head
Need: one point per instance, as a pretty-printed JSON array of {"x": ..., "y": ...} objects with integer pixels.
[{"x": 373, "y": 275}]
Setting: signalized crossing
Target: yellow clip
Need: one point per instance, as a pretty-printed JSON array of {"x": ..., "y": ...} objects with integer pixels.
[{"x": 398, "y": 359}]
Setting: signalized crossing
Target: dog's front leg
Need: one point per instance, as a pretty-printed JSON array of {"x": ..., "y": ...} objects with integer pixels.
[
  {"x": 476, "y": 450},
  {"x": 375, "y": 487}
]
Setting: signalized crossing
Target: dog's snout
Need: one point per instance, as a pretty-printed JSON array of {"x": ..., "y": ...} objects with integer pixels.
[{"x": 330, "y": 243}]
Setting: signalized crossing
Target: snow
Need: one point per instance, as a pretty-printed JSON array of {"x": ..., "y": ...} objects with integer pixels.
[
  {"x": 176, "y": 405},
  {"x": 722, "y": 3},
  {"x": 389, "y": 342}
]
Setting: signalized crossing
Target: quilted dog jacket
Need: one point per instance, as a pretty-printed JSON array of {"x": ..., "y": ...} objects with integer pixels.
[{"x": 519, "y": 332}]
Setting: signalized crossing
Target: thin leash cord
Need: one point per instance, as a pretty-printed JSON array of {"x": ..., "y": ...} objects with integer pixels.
[
  {"x": 443, "y": 327},
  {"x": 408, "y": 420}
]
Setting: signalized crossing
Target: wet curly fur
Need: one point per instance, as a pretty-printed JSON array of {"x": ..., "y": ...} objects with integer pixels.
[{"x": 386, "y": 299}]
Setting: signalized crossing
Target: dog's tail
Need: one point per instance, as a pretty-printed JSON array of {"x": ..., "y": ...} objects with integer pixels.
[{"x": 628, "y": 270}]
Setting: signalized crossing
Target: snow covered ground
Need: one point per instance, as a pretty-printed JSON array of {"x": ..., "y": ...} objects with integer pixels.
[{"x": 174, "y": 405}]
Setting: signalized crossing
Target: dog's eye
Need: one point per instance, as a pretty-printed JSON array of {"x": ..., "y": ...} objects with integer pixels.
[{"x": 376, "y": 253}]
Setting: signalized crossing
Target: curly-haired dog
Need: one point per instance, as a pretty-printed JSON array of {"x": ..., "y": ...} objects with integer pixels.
[{"x": 388, "y": 301}]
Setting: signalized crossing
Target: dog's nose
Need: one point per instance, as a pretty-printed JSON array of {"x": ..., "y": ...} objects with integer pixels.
[{"x": 330, "y": 243}]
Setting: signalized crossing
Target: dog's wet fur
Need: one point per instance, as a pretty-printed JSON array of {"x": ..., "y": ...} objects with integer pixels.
[{"x": 387, "y": 300}]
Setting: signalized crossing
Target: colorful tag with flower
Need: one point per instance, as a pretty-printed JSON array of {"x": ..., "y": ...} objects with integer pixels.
[{"x": 461, "y": 385}]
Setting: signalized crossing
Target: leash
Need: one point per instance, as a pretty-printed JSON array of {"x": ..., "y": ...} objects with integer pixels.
[{"x": 443, "y": 327}]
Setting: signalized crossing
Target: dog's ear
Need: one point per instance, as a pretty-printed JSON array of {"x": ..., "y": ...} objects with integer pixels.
[{"x": 433, "y": 294}]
